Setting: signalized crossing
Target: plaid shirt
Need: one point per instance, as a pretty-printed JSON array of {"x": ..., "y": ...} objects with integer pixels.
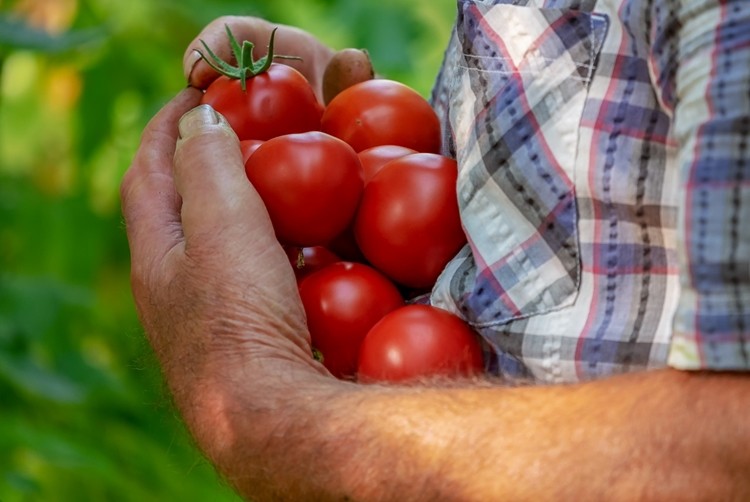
[{"x": 604, "y": 183}]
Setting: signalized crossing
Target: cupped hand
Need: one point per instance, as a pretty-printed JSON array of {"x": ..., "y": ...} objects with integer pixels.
[{"x": 213, "y": 288}]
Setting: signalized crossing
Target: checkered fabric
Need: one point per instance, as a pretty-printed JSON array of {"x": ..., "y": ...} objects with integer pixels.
[{"x": 604, "y": 183}]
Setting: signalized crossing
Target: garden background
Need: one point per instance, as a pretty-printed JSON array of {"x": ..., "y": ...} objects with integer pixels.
[{"x": 83, "y": 413}]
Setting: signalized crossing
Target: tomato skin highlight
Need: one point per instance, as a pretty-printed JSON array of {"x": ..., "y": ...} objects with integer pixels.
[
  {"x": 311, "y": 184},
  {"x": 419, "y": 341},
  {"x": 408, "y": 225},
  {"x": 373, "y": 159},
  {"x": 383, "y": 112},
  {"x": 277, "y": 102},
  {"x": 342, "y": 302},
  {"x": 248, "y": 147}
]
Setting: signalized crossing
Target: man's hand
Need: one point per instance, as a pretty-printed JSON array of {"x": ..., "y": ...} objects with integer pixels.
[
  {"x": 204, "y": 251},
  {"x": 213, "y": 288}
]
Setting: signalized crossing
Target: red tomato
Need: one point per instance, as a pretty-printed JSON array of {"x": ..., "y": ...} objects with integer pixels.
[
  {"x": 419, "y": 341},
  {"x": 276, "y": 102},
  {"x": 382, "y": 112},
  {"x": 310, "y": 183},
  {"x": 407, "y": 224},
  {"x": 305, "y": 261},
  {"x": 248, "y": 147},
  {"x": 345, "y": 246},
  {"x": 373, "y": 159},
  {"x": 342, "y": 302}
]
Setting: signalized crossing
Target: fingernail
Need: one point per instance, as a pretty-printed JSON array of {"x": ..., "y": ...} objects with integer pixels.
[
  {"x": 198, "y": 120},
  {"x": 189, "y": 64}
]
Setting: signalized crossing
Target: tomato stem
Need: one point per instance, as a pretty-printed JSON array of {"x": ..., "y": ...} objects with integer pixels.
[{"x": 247, "y": 66}]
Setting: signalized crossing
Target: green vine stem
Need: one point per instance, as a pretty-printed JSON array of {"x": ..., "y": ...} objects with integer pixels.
[{"x": 247, "y": 66}]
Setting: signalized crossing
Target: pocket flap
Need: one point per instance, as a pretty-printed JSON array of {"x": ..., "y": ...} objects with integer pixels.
[{"x": 515, "y": 110}]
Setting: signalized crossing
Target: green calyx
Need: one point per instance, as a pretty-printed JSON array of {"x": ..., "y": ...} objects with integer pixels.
[{"x": 247, "y": 67}]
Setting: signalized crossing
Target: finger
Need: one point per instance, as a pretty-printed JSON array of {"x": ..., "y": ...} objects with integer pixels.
[
  {"x": 288, "y": 41},
  {"x": 226, "y": 225},
  {"x": 150, "y": 203},
  {"x": 346, "y": 68},
  {"x": 210, "y": 178}
]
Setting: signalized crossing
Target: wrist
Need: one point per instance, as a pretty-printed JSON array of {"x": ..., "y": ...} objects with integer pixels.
[{"x": 238, "y": 408}]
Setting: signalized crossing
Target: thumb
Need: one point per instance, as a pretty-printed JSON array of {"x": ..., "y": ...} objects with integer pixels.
[{"x": 210, "y": 177}]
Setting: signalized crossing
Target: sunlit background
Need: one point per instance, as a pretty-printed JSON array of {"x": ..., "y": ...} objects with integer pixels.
[{"x": 83, "y": 414}]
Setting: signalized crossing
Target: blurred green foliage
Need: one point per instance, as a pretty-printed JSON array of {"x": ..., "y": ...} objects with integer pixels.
[{"x": 83, "y": 412}]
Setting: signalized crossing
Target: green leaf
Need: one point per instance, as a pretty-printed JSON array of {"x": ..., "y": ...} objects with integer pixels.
[
  {"x": 33, "y": 379},
  {"x": 16, "y": 34},
  {"x": 30, "y": 306},
  {"x": 21, "y": 483}
]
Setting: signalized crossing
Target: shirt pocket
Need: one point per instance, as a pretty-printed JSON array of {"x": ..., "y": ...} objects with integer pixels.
[{"x": 515, "y": 106}]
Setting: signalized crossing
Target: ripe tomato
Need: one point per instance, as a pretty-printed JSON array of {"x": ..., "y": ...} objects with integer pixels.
[
  {"x": 342, "y": 302},
  {"x": 373, "y": 159},
  {"x": 407, "y": 224},
  {"x": 276, "y": 102},
  {"x": 248, "y": 147},
  {"x": 310, "y": 183},
  {"x": 419, "y": 341},
  {"x": 382, "y": 112},
  {"x": 305, "y": 261}
]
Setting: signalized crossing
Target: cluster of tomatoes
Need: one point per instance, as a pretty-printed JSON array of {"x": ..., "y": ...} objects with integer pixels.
[{"x": 366, "y": 208}]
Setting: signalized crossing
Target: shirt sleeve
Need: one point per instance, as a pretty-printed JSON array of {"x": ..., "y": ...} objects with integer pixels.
[{"x": 701, "y": 65}]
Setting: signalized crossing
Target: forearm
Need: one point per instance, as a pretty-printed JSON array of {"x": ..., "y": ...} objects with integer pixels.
[{"x": 638, "y": 437}]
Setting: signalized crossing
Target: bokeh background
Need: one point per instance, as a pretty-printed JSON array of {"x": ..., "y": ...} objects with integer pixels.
[{"x": 83, "y": 412}]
